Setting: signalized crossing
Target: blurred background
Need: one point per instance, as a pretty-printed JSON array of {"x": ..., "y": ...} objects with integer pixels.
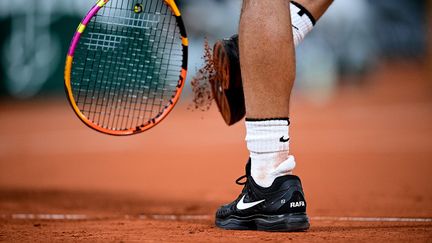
[
  {"x": 361, "y": 120},
  {"x": 350, "y": 41}
]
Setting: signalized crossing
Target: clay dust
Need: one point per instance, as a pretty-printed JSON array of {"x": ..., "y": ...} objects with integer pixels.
[{"x": 201, "y": 87}]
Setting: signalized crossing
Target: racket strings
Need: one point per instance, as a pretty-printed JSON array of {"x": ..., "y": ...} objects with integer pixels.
[
  {"x": 122, "y": 116},
  {"x": 126, "y": 70}
]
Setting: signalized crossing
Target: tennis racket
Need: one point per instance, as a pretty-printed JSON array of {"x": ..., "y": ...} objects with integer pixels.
[{"x": 127, "y": 65}]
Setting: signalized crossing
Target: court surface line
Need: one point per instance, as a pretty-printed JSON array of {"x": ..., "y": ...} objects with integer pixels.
[{"x": 172, "y": 217}]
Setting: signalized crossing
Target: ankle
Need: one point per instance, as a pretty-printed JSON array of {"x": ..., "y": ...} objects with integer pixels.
[{"x": 268, "y": 143}]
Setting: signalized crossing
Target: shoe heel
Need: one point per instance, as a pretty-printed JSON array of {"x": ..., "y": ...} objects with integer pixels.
[{"x": 285, "y": 222}]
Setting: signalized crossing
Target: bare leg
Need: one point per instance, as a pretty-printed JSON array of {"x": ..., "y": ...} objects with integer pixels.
[
  {"x": 267, "y": 62},
  {"x": 268, "y": 68},
  {"x": 227, "y": 87},
  {"x": 268, "y": 71}
]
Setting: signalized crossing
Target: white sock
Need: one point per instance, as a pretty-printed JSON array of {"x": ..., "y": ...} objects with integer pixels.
[
  {"x": 268, "y": 144},
  {"x": 302, "y": 22}
]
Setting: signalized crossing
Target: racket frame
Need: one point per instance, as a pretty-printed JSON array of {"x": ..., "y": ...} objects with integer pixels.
[{"x": 68, "y": 70}]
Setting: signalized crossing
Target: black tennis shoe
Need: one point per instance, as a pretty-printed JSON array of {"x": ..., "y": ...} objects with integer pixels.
[{"x": 280, "y": 207}]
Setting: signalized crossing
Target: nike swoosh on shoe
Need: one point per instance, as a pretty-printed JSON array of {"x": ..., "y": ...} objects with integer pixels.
[{"x": 241, "y": 205}]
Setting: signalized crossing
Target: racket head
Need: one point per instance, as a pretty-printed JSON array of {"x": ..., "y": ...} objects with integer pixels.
[{"x": 126, "y": 65}]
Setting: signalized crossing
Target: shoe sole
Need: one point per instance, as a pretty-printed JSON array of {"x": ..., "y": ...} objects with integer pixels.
[
  {"x": 227, "y": 86},
  {"x": 285, "y": 222}
]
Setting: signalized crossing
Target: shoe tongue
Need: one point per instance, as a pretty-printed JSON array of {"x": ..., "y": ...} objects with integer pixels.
[{"x": 248, "y": 168}]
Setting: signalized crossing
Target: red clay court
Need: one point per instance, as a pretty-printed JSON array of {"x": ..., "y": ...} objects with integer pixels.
[{"x": 365, "y": 158}]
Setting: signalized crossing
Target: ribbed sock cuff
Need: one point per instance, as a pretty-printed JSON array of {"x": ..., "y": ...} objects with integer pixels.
[
  {"x": 302, "y": 22},
  {"x": 267, "y": 136}
]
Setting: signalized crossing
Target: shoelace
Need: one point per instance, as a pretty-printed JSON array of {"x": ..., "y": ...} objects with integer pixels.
[{"x": 239, "y": 182}]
